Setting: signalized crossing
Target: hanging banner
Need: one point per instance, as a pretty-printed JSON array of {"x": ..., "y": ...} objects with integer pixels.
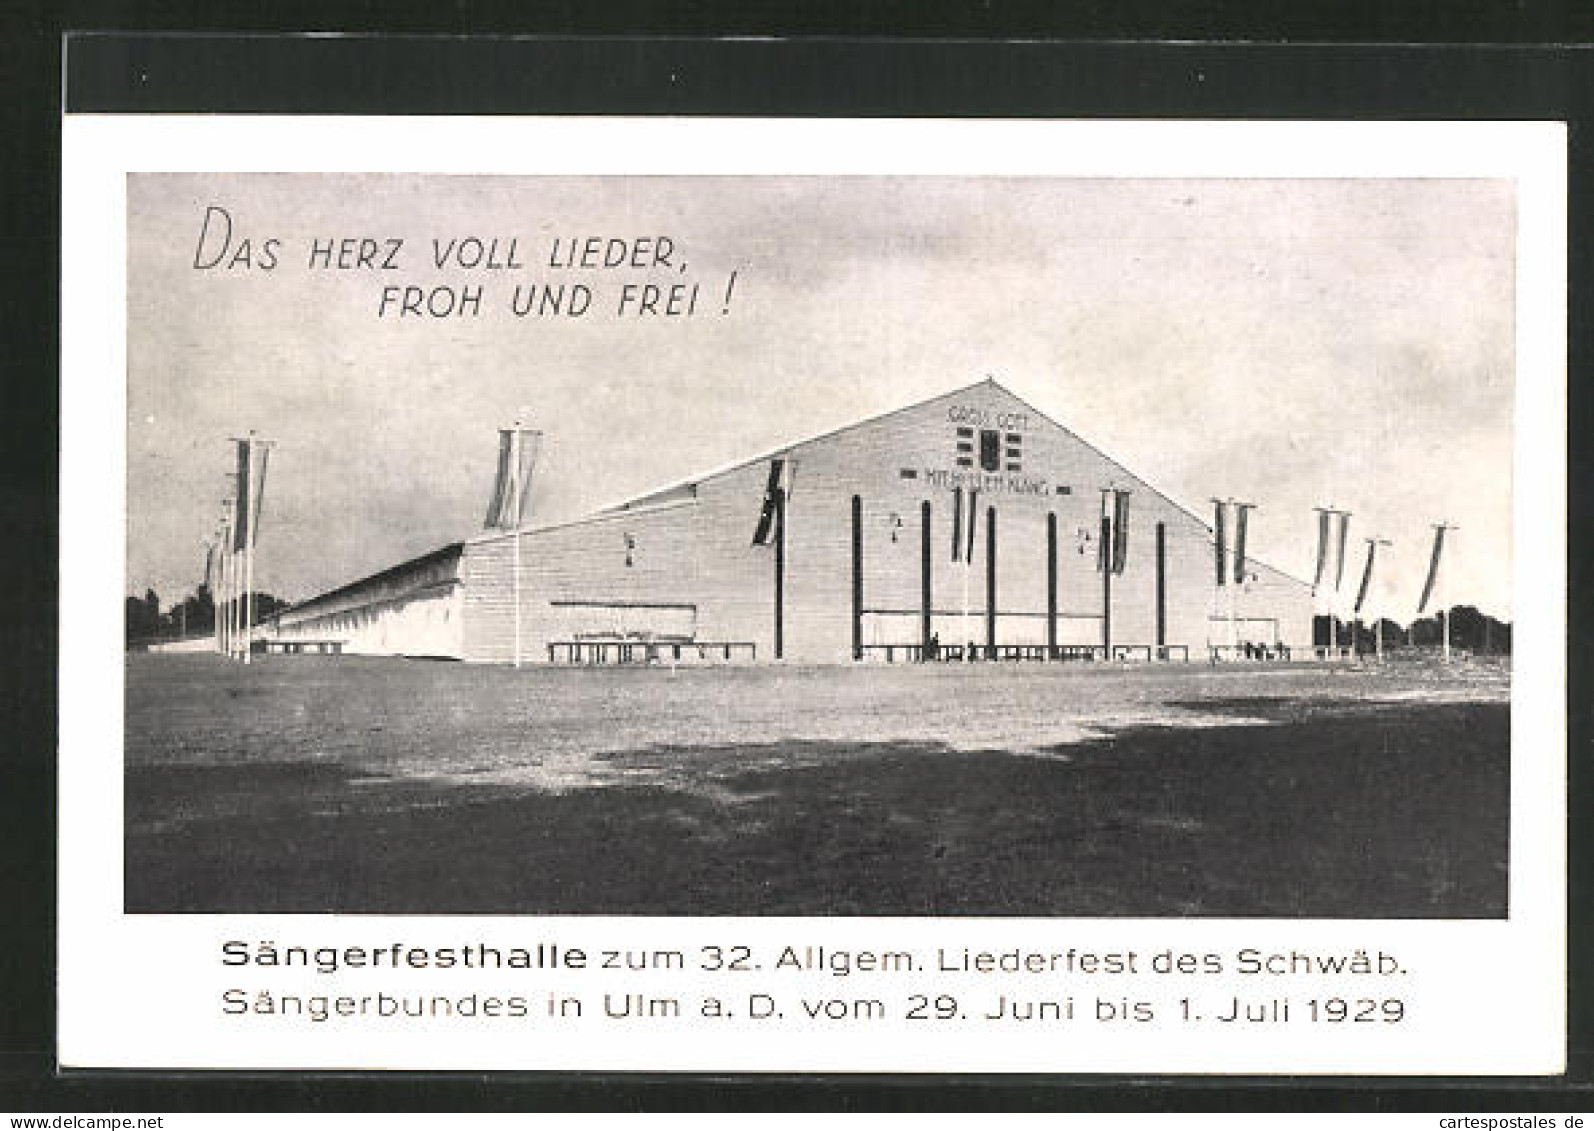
[
  {"x": 1104, "y": 531},
  {"x": 1323, "y": 519},
  {"x": 957, "y": 524},
  {"x": 529, "y": 444},
  {"x": 517, "y": 457},
  {"x": 769, "y": 516},
  {"x": 1242, "y": 513},
  {"x": 240, "y": 510},
  {"x": 1339, "y": 554},
  {"x": 501, "y": 480},
  {"x": 1120, "y": 530},
  {"x": 1433, "y": 569},
  {"x": 261, "y": 454},
  {"x": 1367, "y": 576},
  {"x": 1220, "y": 546}
]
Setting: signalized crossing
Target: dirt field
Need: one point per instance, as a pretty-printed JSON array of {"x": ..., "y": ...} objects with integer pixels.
[{"x": 307, "y": 784}]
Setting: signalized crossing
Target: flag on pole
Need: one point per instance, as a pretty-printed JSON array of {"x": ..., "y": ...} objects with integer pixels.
[
  {"x": 1324, "y": 518},
  {"x": 240, "y": 506},
  {"x": 1120, "y": 530},
  {"x": 778, "y": 487},
  {"x": 957, "y": 524},
  {"x": 1220, "y": 548},
  {"x": 502, "y": 480},
  {"x": 249, "y": 491},
  {"x": 1367, "y": 577},
  {"x": 257, "y": 486},
  {"x": 1104, "y": 532},
  {"x": 517, "y": 458},
  {"x": 1242, "y": 520},
  {"x": 1433, "y": 569},
  {"x": 1339, "y": 556}
]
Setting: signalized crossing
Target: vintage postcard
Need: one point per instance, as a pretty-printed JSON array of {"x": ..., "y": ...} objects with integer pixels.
[{"x": 813, "y": 596}]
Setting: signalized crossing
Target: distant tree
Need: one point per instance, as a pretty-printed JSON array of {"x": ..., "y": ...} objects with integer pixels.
[
  {"x": 195, "y": 614},
  {"x": 1471, "y": 630},
  {"x": 143, "y": 616}
]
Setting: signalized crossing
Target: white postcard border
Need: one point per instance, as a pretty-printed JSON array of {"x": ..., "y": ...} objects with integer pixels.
[{"x": 140, "y": 991}]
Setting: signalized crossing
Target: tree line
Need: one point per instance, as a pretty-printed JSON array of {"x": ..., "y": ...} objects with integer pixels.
[
  {"x": 1471, "y": 630},
  {"x": 194, "y": 615}
]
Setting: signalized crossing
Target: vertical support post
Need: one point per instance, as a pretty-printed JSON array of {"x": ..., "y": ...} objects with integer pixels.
[
  {"x": 1106, "y": 591},
  {"x": 780, "y": 573},
  {"x": 1444, "y": 600},
  {"x": 857, "y": 577},
  {"x": 1234, "y": 626},
  {"x": 515, "y": 573},
  {"x": 223, "y": 612},
  {"x": 1051, "y": 584},
  {"x": 1444, "y": 628},
  {"x": 924, "y": 580},
  {"x": 1162, "y": 586},
  {"x": 249, "y": 593},
  {"x": 990, "y": 582}
]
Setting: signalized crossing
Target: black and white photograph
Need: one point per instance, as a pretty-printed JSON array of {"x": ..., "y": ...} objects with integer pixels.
[
  {"x": 819, "y": 545},
  {"x": 595, "y": 594}
]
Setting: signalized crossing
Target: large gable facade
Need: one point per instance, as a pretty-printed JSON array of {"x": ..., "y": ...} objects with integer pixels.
[{"x": 890, "y": 533}]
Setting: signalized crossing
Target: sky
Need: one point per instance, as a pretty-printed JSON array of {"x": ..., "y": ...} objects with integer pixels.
[{"x": 1296, "y": 344}]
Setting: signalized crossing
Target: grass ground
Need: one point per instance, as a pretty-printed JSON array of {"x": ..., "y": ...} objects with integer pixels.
[{"x": 307, "y": 784}]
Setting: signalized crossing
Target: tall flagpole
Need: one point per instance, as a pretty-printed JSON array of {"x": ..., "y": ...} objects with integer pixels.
[
  {"x": 1220, "y": 554},
  {"x": 232, "y": 599},
  {"x": 1377, "y": 606},
  {"x": 240, "y": 515},
  {"x": 221, "y": 590},
  {"x": 218, "y": 599},
  {"x": 1236, "y": 578},
  {"x": 1333, "y": 589},
  {"x": 227, "y": 577},
  {"x": 514, "y": 472},
  {"x": 210, "y": 584},
  {"x": 965, "y": 546},
  {"x": 215, "y": 593},
  {"x": 1444, "y": 610},
  {"x": 1229, "y": 556},
  {"x": 234, "y": 612},
  {"x": 249, "y": 551},
  {"x": 1323, "y": 523},
  {"x": 1443, "y": 585}
]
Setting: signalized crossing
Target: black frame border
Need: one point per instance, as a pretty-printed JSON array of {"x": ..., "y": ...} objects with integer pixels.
[{"x": 824, "y": 68}]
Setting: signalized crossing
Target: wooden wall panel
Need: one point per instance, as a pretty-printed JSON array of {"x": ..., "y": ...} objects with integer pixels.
[{"x": 700, "y": 551}]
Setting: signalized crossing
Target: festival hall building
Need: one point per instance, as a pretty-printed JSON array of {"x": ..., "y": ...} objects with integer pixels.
[{"x": 966, "y": 526}]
